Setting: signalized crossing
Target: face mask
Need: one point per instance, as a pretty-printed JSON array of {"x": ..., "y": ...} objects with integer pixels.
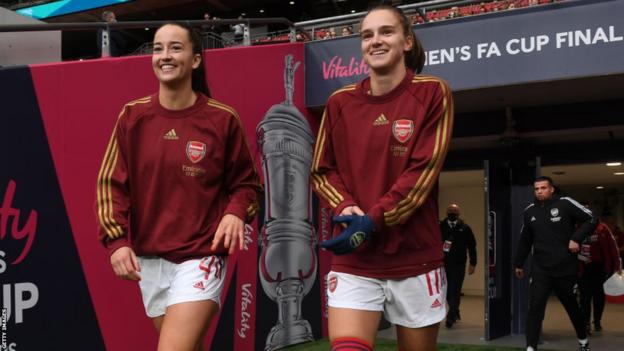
[{"x": 452, "y": 216}]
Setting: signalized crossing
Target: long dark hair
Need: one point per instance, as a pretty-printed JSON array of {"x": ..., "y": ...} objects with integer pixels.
[
  {"x": 198, "y": 77},
  {"x": 415, "y": 58}
]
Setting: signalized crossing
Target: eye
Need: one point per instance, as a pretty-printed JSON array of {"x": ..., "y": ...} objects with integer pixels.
[
  {"x": 366, "y": 35},
  {"x": 177, "y": 47},
  {"x": 157, "y": 49}
]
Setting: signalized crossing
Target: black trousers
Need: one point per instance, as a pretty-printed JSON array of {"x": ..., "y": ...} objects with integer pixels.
[
  {"x": 540, "y": 289},
  {"x": 455, "y": 279},
  {"x": 591, "y": 289}
]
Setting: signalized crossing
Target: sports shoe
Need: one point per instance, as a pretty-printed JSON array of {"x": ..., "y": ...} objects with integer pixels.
[
  {"x": 584, "y": 347},
  {"x": 597, "y": 326}
]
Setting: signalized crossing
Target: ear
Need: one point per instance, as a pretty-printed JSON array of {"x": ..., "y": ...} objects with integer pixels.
[
  {"x": 197, "y": 60},
  {"x": 409, "y": 42}
]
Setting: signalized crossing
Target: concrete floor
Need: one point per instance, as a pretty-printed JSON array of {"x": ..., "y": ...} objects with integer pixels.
[{"x": 558, "y": 333}]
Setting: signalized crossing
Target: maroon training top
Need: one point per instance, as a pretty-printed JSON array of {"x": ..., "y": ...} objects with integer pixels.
[
  {"x": 168, "y": 177},
  {"x": 384, "y": 154}
]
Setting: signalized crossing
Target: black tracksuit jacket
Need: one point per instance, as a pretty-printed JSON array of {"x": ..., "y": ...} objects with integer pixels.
[{"x": 548, "y": 228}]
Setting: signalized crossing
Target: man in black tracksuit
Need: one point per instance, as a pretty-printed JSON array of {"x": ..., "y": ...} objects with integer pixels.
[
  {"x": 553, "y": 227},
  {"x": 458, "y": 240}
]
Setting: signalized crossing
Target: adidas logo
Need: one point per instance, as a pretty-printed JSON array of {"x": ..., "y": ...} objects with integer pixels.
[
  {"x": 171, "y": 135},
  {"x": 381, "y": 120},
  {"x": 436, "y": 304},
  {"x": 198, "y": 285},
  {"x": 533, "y": 219}
]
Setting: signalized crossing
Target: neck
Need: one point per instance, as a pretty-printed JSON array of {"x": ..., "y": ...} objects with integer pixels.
[
  {"x": 177, "y": 98},
  {"x": 383, "y": 82}
]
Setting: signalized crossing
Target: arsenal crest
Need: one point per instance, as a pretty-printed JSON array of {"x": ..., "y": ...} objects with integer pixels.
[
  {"x": 403, "y": 129},
  {"x": 195, "y": 151},
  {"x": 554, "y": 212}
]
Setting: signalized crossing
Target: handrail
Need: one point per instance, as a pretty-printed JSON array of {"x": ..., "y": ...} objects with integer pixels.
[
  {"x": 107, "y": 26},
  {"x": 138, "y": 24},
  {"x": 357, "y": 15},
  {"x": 420, "y": 8}
]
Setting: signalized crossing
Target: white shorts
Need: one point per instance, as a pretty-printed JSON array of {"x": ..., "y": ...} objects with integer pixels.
[
  {"x": 164, "y": 283},
  {"x": 413, "y": 302}
]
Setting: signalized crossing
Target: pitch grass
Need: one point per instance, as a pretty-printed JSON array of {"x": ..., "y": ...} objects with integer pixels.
[{"x": 391, "y": 345}]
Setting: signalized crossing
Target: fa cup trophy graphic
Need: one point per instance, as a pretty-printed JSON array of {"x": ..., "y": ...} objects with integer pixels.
[{"x": 288, "y": 260}]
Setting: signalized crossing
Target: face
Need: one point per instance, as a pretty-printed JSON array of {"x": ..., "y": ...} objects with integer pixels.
[
  {"x": 173, "y": 60},
  {"x": 452, "y": 212},
  {"x": 383, "y": 41},
  {"x": 543, "y": 190}
]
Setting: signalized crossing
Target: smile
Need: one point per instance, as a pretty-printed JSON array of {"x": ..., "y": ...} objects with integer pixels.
[{"x": 167, "y": 67}]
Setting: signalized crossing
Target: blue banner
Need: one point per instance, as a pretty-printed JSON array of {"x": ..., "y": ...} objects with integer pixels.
[{"x": 559, "y": 41}]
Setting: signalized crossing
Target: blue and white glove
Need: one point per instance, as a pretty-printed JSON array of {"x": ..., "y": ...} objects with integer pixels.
[{"x": 359, "y": 229}]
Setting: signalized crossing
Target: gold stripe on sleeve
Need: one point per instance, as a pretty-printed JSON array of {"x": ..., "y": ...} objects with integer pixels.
[{"x": 104, "y": 188}]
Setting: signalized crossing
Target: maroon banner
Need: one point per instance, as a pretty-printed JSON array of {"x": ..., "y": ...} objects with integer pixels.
[{"x": 79, "y": 104}]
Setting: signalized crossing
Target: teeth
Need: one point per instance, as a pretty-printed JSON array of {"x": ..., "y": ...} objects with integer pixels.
[{"x": 166, "y": 67}]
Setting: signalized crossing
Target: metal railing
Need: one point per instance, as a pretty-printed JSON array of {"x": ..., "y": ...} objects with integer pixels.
[
  {"x": 208, "y": 38},
  {"x": 418, "y": 9}
]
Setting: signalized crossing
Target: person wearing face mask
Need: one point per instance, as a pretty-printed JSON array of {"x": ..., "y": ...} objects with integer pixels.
[{"x": 459, "y": 242}]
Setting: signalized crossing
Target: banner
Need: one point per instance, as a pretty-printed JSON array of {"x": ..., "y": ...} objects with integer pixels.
[
  {"x": 57, "y": 282},
  {"x": 560, "y": 41},
  {"x": 43, "y": 283}
]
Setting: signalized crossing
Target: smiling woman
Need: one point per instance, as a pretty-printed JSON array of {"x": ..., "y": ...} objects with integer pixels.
[
  {"x": 155, "y": 162},
  {"x": 388, "y": 252}
]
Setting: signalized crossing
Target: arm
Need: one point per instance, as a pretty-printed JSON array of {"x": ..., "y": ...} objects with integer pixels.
[
  {"x": 472, "y": 248},
  {"x": 113, "y": 197},
  {"x": 585, "y": 217},
  {"x": 113, "y": 205},
  {"x": 325, "y": 177},
  {"x": 243, "y": 187},
  {"x": 609, "y": 251},
  {"x": 241, "y": 178},
  {"x": 525, "y": 243},
  {"x": 412, "y": 188}
]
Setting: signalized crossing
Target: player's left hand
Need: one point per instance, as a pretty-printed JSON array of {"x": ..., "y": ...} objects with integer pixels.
[
  {"x": 231, "y": 230},
  {"x": 359, "y": 229},
  {"x": 573, "y": 246},
  {"x": 471, "y": 269}
]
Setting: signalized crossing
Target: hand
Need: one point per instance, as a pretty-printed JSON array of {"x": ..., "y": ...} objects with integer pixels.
[
  {"x": 573, "y": 246},
  {"x": 230, "y": 230},
  {"x": 352, "y": 210},
  {"x": 471, "y": 269},
  {"x": 349, "y": 211},
  {"x": 359, "y": 229},
  {"x": 125, "y": 264},
  {"x": 519, "y": 273}
]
